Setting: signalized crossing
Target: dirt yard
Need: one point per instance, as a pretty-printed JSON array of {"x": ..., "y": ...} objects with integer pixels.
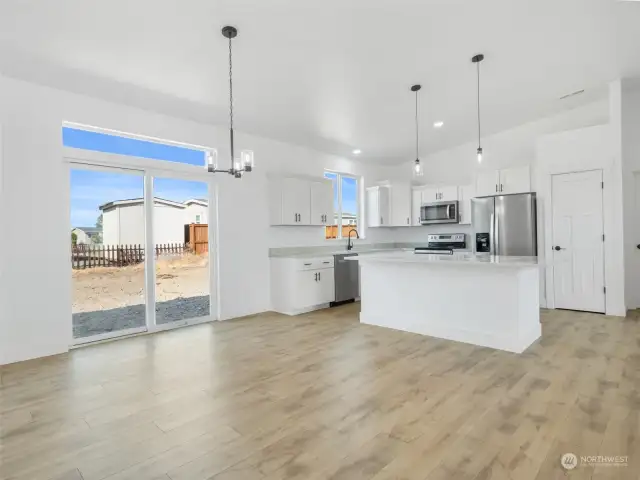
[{"x": 107, "y": 299}]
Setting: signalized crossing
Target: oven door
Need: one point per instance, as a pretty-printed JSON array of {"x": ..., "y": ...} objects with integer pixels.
[{"x": 439, "y": 212}]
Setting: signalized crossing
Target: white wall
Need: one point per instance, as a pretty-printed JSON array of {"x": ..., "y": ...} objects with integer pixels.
[
  {"x": 627, "y": 107},
  {"x": 111, "y": 227},
  {"x": 36, "y": 309}
]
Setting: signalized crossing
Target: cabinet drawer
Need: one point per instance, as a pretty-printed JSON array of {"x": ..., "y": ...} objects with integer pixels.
[{"x": 314, "y": 263}]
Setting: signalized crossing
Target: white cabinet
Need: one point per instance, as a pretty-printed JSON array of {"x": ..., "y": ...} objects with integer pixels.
[
  {"x": 487, "y": 183},
  {"x": 508, "y": 180},
  {"x": 400, "y": 205},
  {"x": 515, "y": 180},
  {"x": 378, "y": 208},
  {"x": 300, "y": 201},
  {"x": 448, "y": 193},
  {"x": 430, "y": 194},
  {"x": 322, "y": 203},
  {"x": 300, "y": 285},
  {"x": 416, "y": 203},
  {"x": 296, "y": 202},
  {"x": 465, "y": 194}
]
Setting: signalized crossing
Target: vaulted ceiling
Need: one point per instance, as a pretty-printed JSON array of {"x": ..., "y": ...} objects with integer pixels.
[{"x": 331, "y": 74}]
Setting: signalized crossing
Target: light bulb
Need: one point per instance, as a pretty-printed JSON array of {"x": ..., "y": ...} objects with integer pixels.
[
  {"x": 211, "y": 158},
  {"x": 479, "y": 154},
  {"x": 417, "y": 168}
]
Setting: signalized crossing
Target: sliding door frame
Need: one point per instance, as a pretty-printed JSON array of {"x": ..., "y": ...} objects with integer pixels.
[{"x": 150, "y": 169}]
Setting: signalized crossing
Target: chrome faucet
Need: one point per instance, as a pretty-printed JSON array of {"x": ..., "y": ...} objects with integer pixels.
[{"x": 349, "y": 244}]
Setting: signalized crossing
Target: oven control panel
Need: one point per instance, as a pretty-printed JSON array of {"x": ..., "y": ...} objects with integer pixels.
[{"x": 447, "y": 240}]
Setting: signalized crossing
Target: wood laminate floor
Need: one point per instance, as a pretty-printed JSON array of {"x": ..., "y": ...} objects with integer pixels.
[{"x": 320, "y": 396}]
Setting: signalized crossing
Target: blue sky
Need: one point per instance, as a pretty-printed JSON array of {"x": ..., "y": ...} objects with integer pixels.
[
  {"x": 90, "y": 189},
  {"x": 349, "y": 194}
]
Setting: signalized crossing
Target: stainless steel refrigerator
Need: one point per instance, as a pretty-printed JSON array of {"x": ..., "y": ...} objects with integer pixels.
[{"x": 504, "y": 225}]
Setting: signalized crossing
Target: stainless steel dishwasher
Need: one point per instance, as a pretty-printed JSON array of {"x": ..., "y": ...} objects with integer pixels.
[{"x": 347, "y": 278}]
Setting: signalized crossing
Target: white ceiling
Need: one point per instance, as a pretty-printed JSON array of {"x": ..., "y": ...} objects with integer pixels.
[{"x": 332, "y": 74}]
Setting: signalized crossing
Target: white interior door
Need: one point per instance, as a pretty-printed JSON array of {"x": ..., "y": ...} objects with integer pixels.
[{"x": 578, "y": 242}]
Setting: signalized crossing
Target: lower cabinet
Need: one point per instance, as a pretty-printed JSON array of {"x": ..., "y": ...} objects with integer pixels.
[{"x": 300, "y": 285}]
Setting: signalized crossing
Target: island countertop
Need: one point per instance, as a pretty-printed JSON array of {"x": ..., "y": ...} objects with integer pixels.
[{"x": 455, "y": 259}]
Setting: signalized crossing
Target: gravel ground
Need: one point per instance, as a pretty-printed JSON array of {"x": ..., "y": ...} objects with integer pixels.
[{"x": 108, "y": 299}]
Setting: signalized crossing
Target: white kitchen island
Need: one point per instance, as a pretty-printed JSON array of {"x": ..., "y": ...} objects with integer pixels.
[{"x": 490, "y": 301}]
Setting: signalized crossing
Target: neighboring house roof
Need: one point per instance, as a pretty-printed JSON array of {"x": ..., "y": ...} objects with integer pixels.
[
  {"x": 197, "y": 201},
  {"x": 89, "y": 230},
  {"x": 162, "y": 201}
]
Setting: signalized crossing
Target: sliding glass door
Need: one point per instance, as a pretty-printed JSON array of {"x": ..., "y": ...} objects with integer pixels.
[
  {"x": 139, "y": 247},
  {"x": 181, "y": 244},
  {"x": 107, "y": 244}
]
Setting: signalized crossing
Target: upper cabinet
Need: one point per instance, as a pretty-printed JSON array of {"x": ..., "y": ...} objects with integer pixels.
[
  {"x": 378, "y": 208},
  {"x": 389, "y": 205},
  {"x": 400, "y": 204},
  {"x": 509, "y": 180},
  {"x": 300, "y": 201},
  {"x": 322, "y": 202},
  {"x": 515, "y": 180}
]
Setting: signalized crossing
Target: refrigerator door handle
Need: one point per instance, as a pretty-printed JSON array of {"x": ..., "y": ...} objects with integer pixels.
[{"x": 492, "y": 236}]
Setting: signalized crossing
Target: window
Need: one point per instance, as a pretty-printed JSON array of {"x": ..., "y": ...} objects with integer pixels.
[
  {"x": 346, "y": 205},
  {"x": 198, "y": 219},
  {"x": 103, "y": 142}
]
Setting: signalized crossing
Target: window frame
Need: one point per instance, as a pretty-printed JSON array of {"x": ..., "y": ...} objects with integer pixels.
[{"x": 339, "y": 211}]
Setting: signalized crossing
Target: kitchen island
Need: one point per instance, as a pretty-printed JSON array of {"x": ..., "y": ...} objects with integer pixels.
[{"x": 491, "y": 301}]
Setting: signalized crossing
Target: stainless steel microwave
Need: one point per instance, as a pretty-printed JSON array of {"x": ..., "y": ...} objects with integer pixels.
[{"x": 439, "y": 212}]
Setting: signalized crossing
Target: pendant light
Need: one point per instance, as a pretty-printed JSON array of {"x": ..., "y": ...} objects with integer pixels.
[
  {"x": 245, "y": 162},
  {"x": 417, "y": 166},
  {"x": 477, "y": 59}
]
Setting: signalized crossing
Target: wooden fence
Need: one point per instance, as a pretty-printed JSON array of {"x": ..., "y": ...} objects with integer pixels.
[
  {"x": 196, "y": 235},
  {"x": 331, "y": 231},
  {"x": 90, "y": 256}
]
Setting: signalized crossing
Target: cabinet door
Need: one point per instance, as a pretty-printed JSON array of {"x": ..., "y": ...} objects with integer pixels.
[
  {"x": 466, "y": 193},
  {"x": 448, "y": 193},
  {"x": 384, "y": 207},
  {"x": 306, "y": 289},
  {"x": 400, "y": 205},
  {"x": 430, "y": 194},
  {"x": 373, "y": 207},
  {"x": 326, "y": 286},
  {"x": 416, "y": 203},
  {"x": 296, "y": 202},
  {"x": 487, "y": 183},
  {"x": 515, "y": 180},
  {"x": 321, "y": 203}
]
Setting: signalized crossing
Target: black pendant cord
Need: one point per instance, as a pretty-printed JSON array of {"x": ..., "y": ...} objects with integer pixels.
[
  {"x": 231, "y": 105},
  {"x": 417, "y": 130},
  {"x": 479, "y": 134}
]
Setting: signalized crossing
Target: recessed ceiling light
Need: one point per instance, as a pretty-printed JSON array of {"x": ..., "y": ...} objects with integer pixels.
[
  {"x": 438, "y": 124},
  {"x": 357, "y": 151}
]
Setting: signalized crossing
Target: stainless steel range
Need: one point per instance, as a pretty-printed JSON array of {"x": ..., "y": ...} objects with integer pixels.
[{"x": 447, "y": 241}]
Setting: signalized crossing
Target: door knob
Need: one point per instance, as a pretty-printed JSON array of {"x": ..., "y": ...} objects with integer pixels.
[{"x": 557, "y": 248}]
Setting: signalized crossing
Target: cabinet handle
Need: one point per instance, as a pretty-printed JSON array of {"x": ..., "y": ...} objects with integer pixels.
[
  {"x": 307, "y": 264},
  {"x": 407, "y": 220},
  {"x": 319, "y": 277},
  {"x": 326, "y": 262},
  {"x": 496, "y": 187},
  {"x": 501, "y": 188},
  {"x": 381, "y": 222},
  {"x": 316, "y": 276}
]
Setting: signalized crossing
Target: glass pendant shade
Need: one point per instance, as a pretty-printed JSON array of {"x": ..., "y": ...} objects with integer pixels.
[
  {"x": 417, "y": 168},
  {"x": 246, "y": 158},
  {"x": 211, "y": 158},
  {"x": 479, "y": 154}
]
